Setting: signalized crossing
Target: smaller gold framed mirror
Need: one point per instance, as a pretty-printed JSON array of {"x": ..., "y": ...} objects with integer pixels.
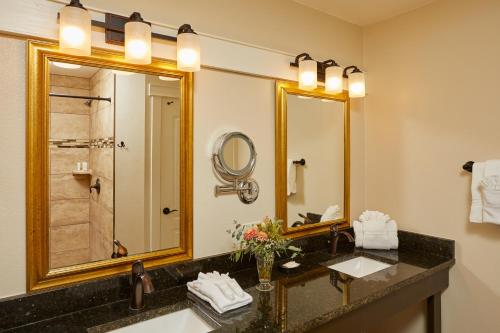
[
  {"x": 109, "y": 165},
  {"x": 312, "y": 159}
]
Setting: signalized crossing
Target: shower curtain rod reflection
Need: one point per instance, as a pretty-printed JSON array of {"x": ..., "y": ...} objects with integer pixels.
[{"x": 108, "y": 99}]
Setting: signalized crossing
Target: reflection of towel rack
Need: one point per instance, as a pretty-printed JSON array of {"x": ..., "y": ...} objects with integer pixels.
[
  {"x": 301, "y": 162},
  {"x": 468, "y": 166}
]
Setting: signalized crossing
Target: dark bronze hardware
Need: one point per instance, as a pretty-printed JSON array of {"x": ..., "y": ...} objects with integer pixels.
[
  {"x": 96, "y": 186},
  {"x": 121, "y": 250},
  {"x": 323, "y": 65},
  {"x": 468, "y": 166},
  {"x": 121, "y": 144},
  {"x": 300, "y": 162},
  {"x": 141, "y": 284},
  {"x": 167, "y": 210},
  {"x": 334, "y": 238},
  {"x": 90, "y": 98}
]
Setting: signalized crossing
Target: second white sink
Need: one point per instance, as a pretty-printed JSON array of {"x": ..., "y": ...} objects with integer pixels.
[
  {"x": 359, "y": 266},
  {"x": 184, "y": 321}
]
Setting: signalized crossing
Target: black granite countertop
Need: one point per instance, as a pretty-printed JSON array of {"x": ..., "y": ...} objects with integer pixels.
[{"x": 299, "y": 302}]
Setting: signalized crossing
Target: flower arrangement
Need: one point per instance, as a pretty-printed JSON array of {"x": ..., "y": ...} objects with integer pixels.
[{"x": 262, "y": 240}]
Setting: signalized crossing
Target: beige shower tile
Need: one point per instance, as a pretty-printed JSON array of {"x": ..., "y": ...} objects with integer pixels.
[
  {"x": 69, "y": 105},
  {"x": 69, "y": 91},
  {"x": 67, "y": 186},
  {"x": 64, "y": 160},
  {"x": 69, "y": 81},
  {"x": 101, "y": 161},
  {"x": 105, "y": 198},
  {"x": 69, "y": 126},
  {"x": 69, "y": 258},
  {"x": 66, "y": 212},
  {"x": 69, "y": 237}
]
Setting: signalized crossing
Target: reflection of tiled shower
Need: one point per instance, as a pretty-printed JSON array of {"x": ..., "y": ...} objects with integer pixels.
[{"x": 81, "y": 223}]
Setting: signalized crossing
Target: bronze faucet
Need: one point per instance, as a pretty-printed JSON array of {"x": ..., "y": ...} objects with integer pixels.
[
  {"x": 334, "y": 238},
  {"x": 141, "y": 284}
]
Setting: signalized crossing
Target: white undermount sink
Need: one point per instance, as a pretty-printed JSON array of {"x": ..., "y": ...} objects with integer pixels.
[
  {"x": 184, "y": 321},
  {"x": 359, "y": 266}
]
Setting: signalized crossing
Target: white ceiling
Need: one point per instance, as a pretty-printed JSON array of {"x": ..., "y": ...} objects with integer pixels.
[
  {"x": 364, "y": 12},
  {"x": 84, "y": 71}
]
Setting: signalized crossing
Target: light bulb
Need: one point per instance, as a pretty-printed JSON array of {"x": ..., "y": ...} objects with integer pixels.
[
  {"x": 357, "y": 84},
  {"x": 308, "y": 74},
  {"x": 66, "y": 65},
  {"x": 75, "y": 26},
  {"x": 137, "y": 40},
  {"x": 188, "y": 49},
  {"x": 333, "y": 80}
]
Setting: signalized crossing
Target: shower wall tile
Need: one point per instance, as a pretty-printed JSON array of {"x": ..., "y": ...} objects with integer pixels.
[
  {"x": 69, "y": 126},
  {"x": 69, "y": 81},
  {"x": 68, "y": 105},
  {"x": 101, "y": 232},
  {"x": 105, "y": 198},
  {"x": 70, "y": 91},
  {"x": 67, "y": 186},
  {"x": 102, "y": 123},
  {"x": 66, "y": 212},
  {"x": 69, "y": 258},
  {"x": 102, "y": 161},
  {"x": 69, "y": 237},
  {"x": 64, "y": 160}
]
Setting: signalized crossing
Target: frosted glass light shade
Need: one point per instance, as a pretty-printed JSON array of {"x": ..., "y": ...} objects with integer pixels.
[
  {"x": 138, "y": 42},
  {"x": 308, "y": 74},
  {"x": 75, "y": 31},
  {"x": 188, "y": 52},
  {"x": 334, "y": 82},
  {"x": 357, "y": 84}
]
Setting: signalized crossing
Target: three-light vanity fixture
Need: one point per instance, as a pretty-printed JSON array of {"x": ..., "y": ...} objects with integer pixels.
[
  {"x": 75, "y": 25},
  {"x": 329, "y": 72}
]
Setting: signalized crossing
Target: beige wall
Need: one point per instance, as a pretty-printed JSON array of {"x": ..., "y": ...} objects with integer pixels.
[{"x": 433, "y": 79}]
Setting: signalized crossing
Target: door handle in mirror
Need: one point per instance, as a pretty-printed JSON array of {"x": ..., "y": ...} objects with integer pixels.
[{"x": 167, "y": 210}]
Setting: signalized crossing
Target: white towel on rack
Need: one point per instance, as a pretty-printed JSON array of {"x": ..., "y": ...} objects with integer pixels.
[
  {"x": 291, "y": 176},
  {"x": 490, "y": 190},
  {"x": 476, "y": 209}
]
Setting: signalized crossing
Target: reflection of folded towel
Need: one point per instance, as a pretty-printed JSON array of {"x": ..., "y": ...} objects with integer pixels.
[
  {"x": 222, "y": 292},
  {"x": 291, "y": 176},
  {"x": 490, "y": 191},
  {"x": 331, "y": 213}
]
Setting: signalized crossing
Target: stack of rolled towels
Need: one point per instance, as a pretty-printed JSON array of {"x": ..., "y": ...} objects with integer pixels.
[
  {"x": 376, "y": 230},
  {"x": 222, "y": 292}
]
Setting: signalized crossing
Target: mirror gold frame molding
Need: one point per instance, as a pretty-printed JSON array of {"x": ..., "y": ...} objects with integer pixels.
[
  {"x": 283, "y": 88},
  {"x": 39, "y": 274}
]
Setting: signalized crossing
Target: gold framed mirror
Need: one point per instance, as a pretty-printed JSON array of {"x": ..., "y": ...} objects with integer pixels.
[
  {"x": 109, "y": 165},
  {"x": 312, "y": 159}
]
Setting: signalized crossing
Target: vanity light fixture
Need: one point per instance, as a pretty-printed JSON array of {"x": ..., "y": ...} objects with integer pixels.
[
  {"x": 66, "y": 65},
  {"x": 329, "y": 72},
  {"x": 188, "y": 49},
  {"x": 75, "y": 29},
  {"x": 137, "y": 40},
  {"x": 356, "y": 81},
  {"x": 75, "y": 36},
  {"x": 308, "y": 72},
  {"x": 168, "y": 78},
  {"x": 334, "y": 81}
]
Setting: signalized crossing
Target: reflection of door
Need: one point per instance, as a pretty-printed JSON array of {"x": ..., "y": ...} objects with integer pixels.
[{"x": 169, "y": 171}]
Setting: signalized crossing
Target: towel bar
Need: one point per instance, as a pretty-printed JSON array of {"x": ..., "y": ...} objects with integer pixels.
[
  {"x": 468, "y": 166},
  {"x": 301, "y": 162}
]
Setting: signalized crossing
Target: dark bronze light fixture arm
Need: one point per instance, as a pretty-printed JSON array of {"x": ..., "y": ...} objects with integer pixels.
[{"x": 355, "y": 69}]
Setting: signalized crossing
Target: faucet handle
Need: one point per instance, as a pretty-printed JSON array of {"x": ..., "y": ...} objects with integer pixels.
[{"x": 334, "y": 228}]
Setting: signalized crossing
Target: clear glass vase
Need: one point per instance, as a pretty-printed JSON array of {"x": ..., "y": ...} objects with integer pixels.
[{"x": 265, "y": 269}]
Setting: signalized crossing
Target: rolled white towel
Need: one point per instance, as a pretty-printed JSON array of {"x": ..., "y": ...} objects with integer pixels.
[
  {"x": 331, "y": 213},
  {"x": 358, "y": 233},
  {"x": 382, "y": 236}
]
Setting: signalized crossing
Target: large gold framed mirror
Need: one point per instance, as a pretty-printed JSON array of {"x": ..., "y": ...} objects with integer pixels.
[
  {"x": 109, "y": 165},
  {"x": 312, "y": 159}
]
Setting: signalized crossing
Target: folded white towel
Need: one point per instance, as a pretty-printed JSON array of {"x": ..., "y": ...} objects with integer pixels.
[
  {"x": 331, "y": 213},
  {"x": 291, "y": 175},
  {"x": 377, "y": 233},
  {"x": 490, "y": 191},
  {"x": 222, "y": 292},
  {"x": 373, "y": 215}
]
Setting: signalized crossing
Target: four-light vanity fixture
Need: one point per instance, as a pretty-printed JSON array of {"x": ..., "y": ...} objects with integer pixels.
[
  {"x": 329, "y": 72},
  {"x": 75, "y": 25}
]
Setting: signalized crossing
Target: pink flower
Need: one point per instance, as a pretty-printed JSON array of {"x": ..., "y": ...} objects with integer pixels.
[
  {"x": 262, "y": 236},
  {"x": 250, "y": 234}
]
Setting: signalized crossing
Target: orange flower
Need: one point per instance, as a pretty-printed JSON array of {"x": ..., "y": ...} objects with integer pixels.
[
  {"x": 250, "y": 234},
  {"x": 262, "y": 236}
]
